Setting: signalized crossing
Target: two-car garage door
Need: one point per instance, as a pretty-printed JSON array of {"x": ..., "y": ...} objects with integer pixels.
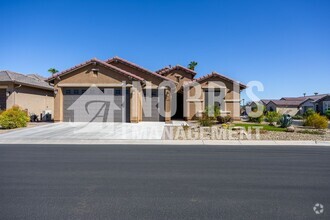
[
  {"x": 78, "y": 107},
  {"x": 75, "y": 105}
]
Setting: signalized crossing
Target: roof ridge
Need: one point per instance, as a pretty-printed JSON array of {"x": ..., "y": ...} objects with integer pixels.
[
  {"x": 7, "y": 72},
  {"x": 94, "y": 60},
  {"x": 139, "y": 67}
]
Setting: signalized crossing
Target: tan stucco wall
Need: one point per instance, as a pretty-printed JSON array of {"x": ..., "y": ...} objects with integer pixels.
[
  {"x": 195, "y": 106},
  {"x": 287, "y": 110},
  {"x": 35, "y": 100},
  {"x": 85, "y": 77},
  {"x": 181, "y": 75}
]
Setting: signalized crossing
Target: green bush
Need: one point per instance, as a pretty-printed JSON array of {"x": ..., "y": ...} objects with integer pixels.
[
  {"x": 272, "y": 117},
  {"x": 317, "y": 121},
  {"x": 206, "y": 121},
  {"x": 327, "y": 113},
  {"x": 14, "y": 118},
  {"x": 297, "y": 117},
  {"x": 216, "y": 111},
  {"x": 224, "y": 119},
  {"x": 258, "y": 119},
  {"x": 309, "y": 112}
]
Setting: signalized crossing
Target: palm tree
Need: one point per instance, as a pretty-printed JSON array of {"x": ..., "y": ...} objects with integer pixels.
[
  {"x": 192, "y": 65},
  {"x": 53, "y": 71}
]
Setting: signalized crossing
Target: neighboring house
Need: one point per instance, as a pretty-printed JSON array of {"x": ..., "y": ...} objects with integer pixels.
[
  {"x": 283, "y": 106},
  {"x": 109, "y": 76},
  {"x": 30, "y": 92},
  {"x": 299, "y": 105},
  {"x": 319, "y": 103}
]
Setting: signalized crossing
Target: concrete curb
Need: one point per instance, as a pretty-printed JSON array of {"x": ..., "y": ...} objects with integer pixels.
[{"x": 162, "y": 142}]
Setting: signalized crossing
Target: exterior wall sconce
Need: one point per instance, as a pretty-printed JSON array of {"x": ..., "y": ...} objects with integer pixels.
[
  {"x": 55, "y": 91},
  {"x": 8, "y": 93}
]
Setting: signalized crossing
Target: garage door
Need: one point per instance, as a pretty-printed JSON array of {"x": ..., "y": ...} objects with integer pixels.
[
  {"x": 3, "y": 99},
  {"x": 75, "y": 111},
  {"x": 150, "y": 112}
]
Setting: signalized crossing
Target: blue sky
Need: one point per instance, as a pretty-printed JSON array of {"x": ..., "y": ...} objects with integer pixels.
[{"x": 283, "y": 44}]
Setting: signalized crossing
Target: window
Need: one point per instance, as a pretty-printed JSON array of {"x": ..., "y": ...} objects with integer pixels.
[
  {"x": 76, "y": 92},
  {"x": 83, "y": 91},
  {"x": 117, "y": 91},
  {"x": 326, "y": 106},
  {"x": 67, "y": 92},
  {"x": 154, "y": 93}
]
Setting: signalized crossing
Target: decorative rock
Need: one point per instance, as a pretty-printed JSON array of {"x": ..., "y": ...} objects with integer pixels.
[{"x": 290, "y": 129}]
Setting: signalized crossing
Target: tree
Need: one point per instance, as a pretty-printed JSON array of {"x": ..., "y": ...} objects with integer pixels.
[
  {"x": 53, "y": 71},
  {"x": 192, "y": 65}
]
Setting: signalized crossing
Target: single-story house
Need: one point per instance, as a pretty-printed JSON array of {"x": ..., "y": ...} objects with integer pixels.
[
  {"x": 319, "y": 103},
  {"x": 116, "y": 75},
  {"x": 30, "y": 92},
  {"x": 283, "y": 106},
  {"x": 299, "y": 105}
]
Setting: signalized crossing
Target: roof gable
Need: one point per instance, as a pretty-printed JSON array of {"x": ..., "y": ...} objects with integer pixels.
[
  {"x": 135, "y": 66},
  {"x": 94, "y": 60},
  {"x": 177, "y": 67},
  {"x": 215, "y": 74}
]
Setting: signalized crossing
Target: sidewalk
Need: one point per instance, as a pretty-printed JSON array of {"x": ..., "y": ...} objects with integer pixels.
[{"x": 162, "y": 142}]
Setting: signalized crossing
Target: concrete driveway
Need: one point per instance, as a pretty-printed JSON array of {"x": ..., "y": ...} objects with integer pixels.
[{"x": 90, "y": 131}]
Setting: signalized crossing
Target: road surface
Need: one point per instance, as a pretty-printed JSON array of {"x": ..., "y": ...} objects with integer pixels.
[{"x": 164, "y": 182}]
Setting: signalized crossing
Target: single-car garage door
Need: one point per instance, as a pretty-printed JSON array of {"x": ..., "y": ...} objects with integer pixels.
[
  {"x": 150, "y": 111},
  {"x": 3, "y": 99},
  {"x": 79, "y": 107}
]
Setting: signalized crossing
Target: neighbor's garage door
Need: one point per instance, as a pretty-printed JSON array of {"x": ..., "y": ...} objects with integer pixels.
[
  {"x": 150, "y": 112},
  {"x": 3, "y": 99},
  {"x": 71, "y": 95}
]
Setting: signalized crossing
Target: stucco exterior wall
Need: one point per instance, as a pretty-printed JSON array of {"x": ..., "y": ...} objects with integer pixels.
[
  {"x": 231, "y": 103},
  {"x": 34, "y": 100},
  {"x": 306, "y": 105},
  {"x": 322, "y": 104},
  {"x": 271, "y": 107},
  {"x": 85, "y": 77},
  {"x": 288, "y": 110}
]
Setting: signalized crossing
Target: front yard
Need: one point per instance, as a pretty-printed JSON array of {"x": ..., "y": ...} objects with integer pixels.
[{"x": 245, "y": 131}]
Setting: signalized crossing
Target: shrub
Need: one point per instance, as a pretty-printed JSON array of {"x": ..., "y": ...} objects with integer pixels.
[
  {"x": 272, "y": 117},
  {"x": 285, "y": 121},
  {"x": 205, "y": 120},
  {"x": 327, "y": 113},
  {"x": 309, "y": 112},
  {"x": 14, "y": 118},
  {"x": 224, "y": 119},
  {"x": 297, "y": 117},
  {"x": 317, "y": 121},
  {"x": 258, "y": 119},
  {"x": 214, "y": 110}
]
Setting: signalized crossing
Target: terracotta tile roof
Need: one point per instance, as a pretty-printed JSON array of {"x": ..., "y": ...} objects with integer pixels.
[
  {"x": 133, "y": 65},
  {"x": 162, "y": 69},
  {"x": 177, "y": 67},
  {"x": 27, "y": 80},
  {"x": 220, "y": 76},
  {"x": 99, "y": 62}
]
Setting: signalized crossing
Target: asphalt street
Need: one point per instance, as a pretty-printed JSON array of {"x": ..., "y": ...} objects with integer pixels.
[{"x": 164, "y": 182}]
